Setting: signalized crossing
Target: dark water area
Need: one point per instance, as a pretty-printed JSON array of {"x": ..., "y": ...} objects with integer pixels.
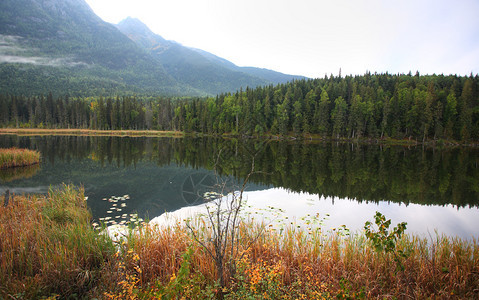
[{"x": 165, "y": 174}]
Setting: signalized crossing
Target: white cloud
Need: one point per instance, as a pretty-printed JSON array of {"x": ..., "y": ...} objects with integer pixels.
[
  {"x": 42, "y": 61},
  {"x": 12, "y": 52},
  {"x": 19, "y": 59},
  {"x": 8, "y": 39}
]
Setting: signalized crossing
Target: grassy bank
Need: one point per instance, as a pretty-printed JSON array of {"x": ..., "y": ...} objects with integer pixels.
[
  {"x": 48, "y": 247},
  {"x": 14, "y": 157},
  {"x": 310, "y": 138},
  {"x": 297, "y": 264},
  {"x": 89, "y": 132}
]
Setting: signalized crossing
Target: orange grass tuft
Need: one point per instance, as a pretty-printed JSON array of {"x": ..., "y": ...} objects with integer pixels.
[{"x": 14, "y": 157}]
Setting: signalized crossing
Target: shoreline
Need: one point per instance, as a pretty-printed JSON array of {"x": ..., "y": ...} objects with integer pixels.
[
  {"x": 310, "y": 138},
  {"x": 88, "y": 132},
  {"x": 155, "y": 262}
]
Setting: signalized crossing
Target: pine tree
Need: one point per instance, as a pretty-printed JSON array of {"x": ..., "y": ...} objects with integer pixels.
[
  {"x": 322, "y": 114},
  {"x": 339, "y": 117}
]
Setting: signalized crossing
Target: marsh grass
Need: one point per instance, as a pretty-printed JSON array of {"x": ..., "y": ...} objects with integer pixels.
[
  {"x": 48, "y": 246},
  {"x": 302, "y": 264},
  {"x": 14, "y": 157}
]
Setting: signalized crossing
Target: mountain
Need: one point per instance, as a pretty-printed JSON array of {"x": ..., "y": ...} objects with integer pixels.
[
  {"x": 197, "y": 68},
  {"x": 62, "y": 46},
  {"x": 269, "y": 75}
]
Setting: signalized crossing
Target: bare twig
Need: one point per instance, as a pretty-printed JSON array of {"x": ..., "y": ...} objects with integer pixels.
[{"x": 224, "y": 218}]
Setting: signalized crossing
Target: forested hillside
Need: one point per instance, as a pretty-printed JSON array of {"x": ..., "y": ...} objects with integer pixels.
[
  {"x": 62, "y": 46},
  {"x": 369, "y": 106}
]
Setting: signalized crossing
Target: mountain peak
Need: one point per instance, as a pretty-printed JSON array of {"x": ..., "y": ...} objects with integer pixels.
[
  {"x": 47, "y": 41},
  {"x": 133, "y": 23},
  {"x": 62, "y": 45},
  {"x": 137, "y": 31}
]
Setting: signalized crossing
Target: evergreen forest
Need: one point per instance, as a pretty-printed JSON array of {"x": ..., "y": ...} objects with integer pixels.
[{"x": 371, "y": 106}]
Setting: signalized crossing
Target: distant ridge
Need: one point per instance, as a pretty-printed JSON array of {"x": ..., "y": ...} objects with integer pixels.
[{"x": 198, "y": 68}]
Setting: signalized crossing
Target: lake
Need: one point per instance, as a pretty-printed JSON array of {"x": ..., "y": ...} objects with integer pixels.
[{"x": 433, "y": 190}]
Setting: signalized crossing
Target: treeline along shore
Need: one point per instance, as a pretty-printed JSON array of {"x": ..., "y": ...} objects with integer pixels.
[{"x": 372, "y": 106}]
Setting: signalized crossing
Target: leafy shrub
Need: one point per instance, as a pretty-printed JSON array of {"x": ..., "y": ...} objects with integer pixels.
[{"x": 384, "y": 241}]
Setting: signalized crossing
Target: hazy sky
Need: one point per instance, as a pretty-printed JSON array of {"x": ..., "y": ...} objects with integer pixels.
[{"x": 316, "y": 37}]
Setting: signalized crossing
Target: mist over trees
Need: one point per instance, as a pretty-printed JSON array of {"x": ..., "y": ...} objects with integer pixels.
[{"x": 368, "y": 106}]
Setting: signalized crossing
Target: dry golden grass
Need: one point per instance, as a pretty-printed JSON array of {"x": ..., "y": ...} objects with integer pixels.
[
  {"x": 48, "y": 247},
  {"x": 296, "y": 264},
  {"x": 89, "y": 132}
]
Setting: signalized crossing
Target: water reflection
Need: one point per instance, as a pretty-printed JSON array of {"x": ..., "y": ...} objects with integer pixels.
[
  {"x": 165, "y": 174},
  {"x": 11, "y": 174},
  {"x": 422, "y": 220}
]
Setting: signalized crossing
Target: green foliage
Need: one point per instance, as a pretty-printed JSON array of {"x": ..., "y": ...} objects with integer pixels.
[
  {"x": 187, "y": 284},
  {"x": 345, "y": 292},
  {"x": 384, "y": 241},
  {"x": 256, "y": 279},
  {"x": 381, "y": 105}
]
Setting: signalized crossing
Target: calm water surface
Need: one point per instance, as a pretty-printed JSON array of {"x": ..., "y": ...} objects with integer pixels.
[{"x": 431, "y": 189}]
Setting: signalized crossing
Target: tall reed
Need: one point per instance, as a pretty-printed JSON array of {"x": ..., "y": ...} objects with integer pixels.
[
  {"x": 14, "y": 157},
  {"x": 303, "y": 264},
  {"x": 48, "y": 246}
]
